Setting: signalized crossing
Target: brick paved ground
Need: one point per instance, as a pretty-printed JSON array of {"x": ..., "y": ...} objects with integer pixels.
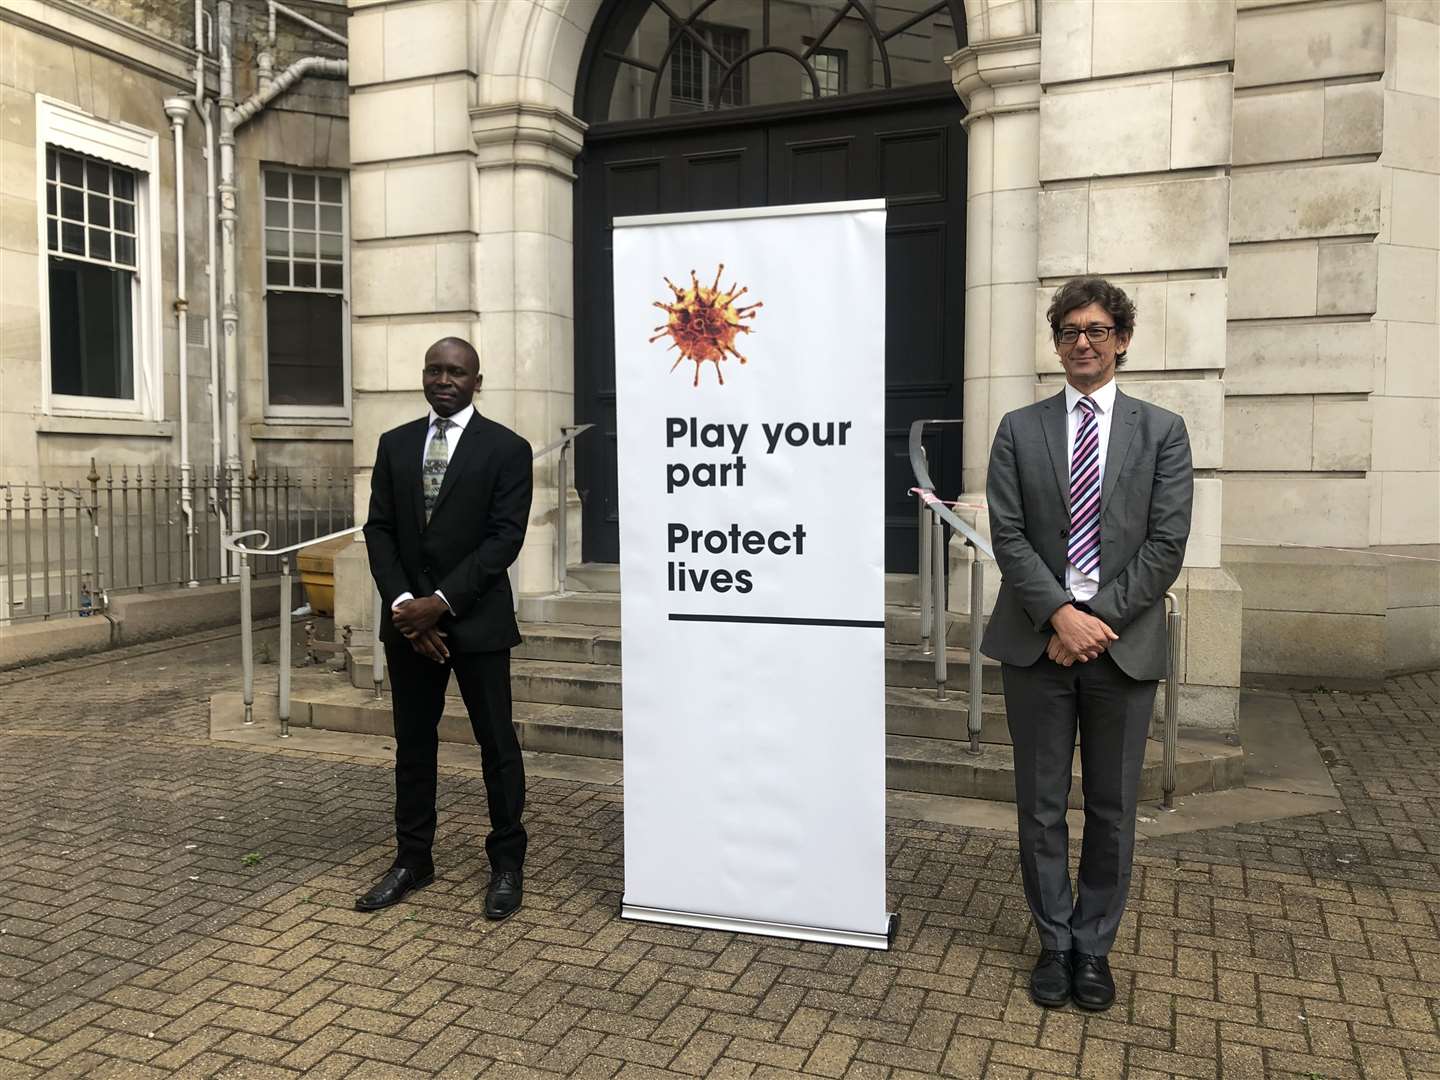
[{"x": 137, "y": 939}]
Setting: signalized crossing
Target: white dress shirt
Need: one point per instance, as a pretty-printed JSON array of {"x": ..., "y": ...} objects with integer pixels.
[
  {"x": 1083, "y": 586},
  {"x": 452, "y": 436}
]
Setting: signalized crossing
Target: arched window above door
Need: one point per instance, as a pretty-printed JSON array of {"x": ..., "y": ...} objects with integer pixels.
[{"x": 662, "y": 58}]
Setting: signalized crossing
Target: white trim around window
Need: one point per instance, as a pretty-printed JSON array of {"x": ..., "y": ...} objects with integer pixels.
[{"x": 63, "y": 126}]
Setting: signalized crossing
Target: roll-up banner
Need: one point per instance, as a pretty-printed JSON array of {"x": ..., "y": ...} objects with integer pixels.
[{"x": 750, "y": 382}]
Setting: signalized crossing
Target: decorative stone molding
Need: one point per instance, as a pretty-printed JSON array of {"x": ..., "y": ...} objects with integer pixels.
[
  {"x": 520, "y": 134},
  {"x": 997, "y": 77}
]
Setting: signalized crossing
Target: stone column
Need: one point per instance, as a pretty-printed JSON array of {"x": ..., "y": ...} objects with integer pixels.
[
  {"x": 412, "y": 227},
  {"x": 1134, "y": 172},
  {"x": 524, "y": 270}
]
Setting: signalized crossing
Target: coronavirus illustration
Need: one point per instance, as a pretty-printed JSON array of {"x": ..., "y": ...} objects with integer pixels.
[{"x": 703, "y": 322}]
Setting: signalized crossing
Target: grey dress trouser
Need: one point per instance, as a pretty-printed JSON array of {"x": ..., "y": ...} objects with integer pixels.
[{"x": 1045, "y": 704}]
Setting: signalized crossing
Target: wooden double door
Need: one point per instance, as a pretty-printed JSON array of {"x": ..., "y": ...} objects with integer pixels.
[{"x": 907, "y": 149}]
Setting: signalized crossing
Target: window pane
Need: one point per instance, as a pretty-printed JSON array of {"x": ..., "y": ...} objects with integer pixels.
[
  {"x": 125, "y": 217},
  {"x": 52, "y": 233},
  {"x": 124, "y": 181},
  {"x": 99, "y": 210},
  {"x": 50, "y": 165},
  {"x": 329, "y": 246},
  {"x": 277, "y": 272},
  {"x": 305, "y": 340},
  {"x": 277, "y": 242},
  {"x": 125, "y": 250},
  {"x": 91, "y": 332},
  {"x": 304, "y": 215},
  {"x": 277, "y": 214},
  {"x": 304, "y": 244},
  {"x": 72, "y": 239},
  {"x": 330, "y": 189},
  {"x": 304, "y": 186},
  {"x": 330, "y": 219},
  {"x": 72, "y": 169},
  {"x": 72, "y": 204},
  {"x": 100, "y": 244},
  {"x": 304, "y": 275},
  {"x": 277, "y": 184},
  {"x": 332, "y": 276},
  {"x": 52, "y": 198},
  {"x": 97, "y": 176}
]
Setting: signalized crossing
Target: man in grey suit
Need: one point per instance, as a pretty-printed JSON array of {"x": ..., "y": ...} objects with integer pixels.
[{"x": 1089, "y": 494}]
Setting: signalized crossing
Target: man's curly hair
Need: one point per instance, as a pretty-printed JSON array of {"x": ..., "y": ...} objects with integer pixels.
[{"x": 1084, "y": 291}]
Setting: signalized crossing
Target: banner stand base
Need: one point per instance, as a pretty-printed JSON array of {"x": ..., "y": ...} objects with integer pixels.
[{"x": 768, "y": 929}]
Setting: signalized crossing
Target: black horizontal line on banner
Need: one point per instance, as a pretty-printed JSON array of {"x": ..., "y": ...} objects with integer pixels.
[{"x": 777, "y": 620}]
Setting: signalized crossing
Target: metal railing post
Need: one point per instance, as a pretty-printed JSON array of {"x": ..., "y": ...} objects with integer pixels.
[
  {"x": 377, "y": 659},
  {"x": 562, "y": 537},
  {"x": 284, "y": 657},
  {"x": 977, "y": 628},
  {"x": 922, "y": 563},
  {"x": 247, "y": 643},
  {"x": 1170, "y": 743},
  {"x": 937, "y": 581}
]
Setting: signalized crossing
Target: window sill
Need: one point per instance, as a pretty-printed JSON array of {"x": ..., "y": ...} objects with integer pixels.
[
  {"x": 95, "y": 425},
  {"x": 340, "y": 431}
]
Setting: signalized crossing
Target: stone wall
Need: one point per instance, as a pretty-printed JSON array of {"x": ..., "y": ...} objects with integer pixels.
[
  {"x": 1332, "y": 409},
  {"x": 118, "y": 60}
]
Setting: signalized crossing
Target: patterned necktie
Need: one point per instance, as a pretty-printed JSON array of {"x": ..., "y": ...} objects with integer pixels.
[
  {"x": 1084, "y": 545},
  {"x": 437, "y": 457}
]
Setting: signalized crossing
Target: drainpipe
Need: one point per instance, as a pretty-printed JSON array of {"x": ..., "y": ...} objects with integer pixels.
[
  {"x": 229, "y": 309},
  {"x": 177, "y": 108},
  {"x": 203, "y": 108}
]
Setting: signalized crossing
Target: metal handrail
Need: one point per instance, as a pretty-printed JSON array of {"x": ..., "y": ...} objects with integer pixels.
[
  {"x": 932, "y": 567},
  {"x": 569, "y": 433},
  {"x": 232, "y": 543}
]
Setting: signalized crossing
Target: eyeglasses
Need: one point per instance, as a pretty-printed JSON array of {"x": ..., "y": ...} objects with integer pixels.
[{"x": 1093, "y": 334}]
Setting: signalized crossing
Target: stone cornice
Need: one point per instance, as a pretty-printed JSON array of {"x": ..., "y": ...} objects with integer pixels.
[
  {"x": 526, "y": 135},
  {"x": 997, "y": 76},
  {"x": 80, "y": 26}
]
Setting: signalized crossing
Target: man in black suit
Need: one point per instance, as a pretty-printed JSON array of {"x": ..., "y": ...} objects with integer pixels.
[
  {"x": 1089, "y": 494},
  {"x": 449, "y": 502}
]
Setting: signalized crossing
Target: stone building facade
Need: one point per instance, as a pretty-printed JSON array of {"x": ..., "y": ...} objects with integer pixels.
[
  {"x": 88, "y": 80},
  {"x": 1262, "y": 174}
]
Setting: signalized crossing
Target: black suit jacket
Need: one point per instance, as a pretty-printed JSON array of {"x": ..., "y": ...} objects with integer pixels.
[
  {"x": 1145, "y": 505},
  {"x": 474, "y": 533}
]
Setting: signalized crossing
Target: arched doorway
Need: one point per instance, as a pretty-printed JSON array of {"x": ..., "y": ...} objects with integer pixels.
[{"x": 712, "y": 104}]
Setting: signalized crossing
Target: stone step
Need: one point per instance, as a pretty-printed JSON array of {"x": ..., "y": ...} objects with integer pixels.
[
  {"x": 576, "y": 608},
  {"x": 581, "y": 647},
  {"x": 914, "y": 762},
  {"x": 1203, "y": 762},
  {"x": 902, "y": 625}
]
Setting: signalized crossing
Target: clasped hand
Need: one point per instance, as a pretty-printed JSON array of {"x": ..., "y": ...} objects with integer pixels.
[
  {"x": 1078, "y": 637},
  {"x": 417, "y": 619}
]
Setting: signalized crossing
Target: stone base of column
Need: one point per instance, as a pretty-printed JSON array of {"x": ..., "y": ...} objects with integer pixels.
[
  {"x": 1339, "y": 618},
  {"x": 535, "y": 569},
  {"x": 354, "y": 588}
]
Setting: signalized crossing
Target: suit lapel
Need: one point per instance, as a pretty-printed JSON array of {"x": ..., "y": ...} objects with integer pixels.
[
  {"x": 1053, "y": 420},
  {"x": 411, "y": 448},
  {"x": 459, "y": 457},
  {"x": 1122, "y": 433}
]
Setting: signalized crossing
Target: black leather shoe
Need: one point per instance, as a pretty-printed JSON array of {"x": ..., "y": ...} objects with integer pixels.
[
  {"x": 391, "y": 888},
  {"x": 502, "y": 898},
  {"x": 1050, "y": 981},
  {"x": 1091, "y": 985}
]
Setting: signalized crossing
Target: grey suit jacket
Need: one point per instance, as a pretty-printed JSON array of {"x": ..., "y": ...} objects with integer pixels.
[{"x": 1145, "y": 504}]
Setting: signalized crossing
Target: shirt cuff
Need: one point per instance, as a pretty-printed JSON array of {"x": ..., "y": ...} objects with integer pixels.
[
  {"x": 445, "y": 602},
  {"x": 401, "y": 599}
]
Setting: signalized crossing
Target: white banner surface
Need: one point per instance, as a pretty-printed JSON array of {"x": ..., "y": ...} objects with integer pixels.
[{"x": 750, "y": 381}]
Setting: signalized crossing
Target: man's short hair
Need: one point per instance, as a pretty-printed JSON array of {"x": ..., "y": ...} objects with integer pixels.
[
  {"x": 461, "y": 344},
  {"x": 1082, "y": 292}
]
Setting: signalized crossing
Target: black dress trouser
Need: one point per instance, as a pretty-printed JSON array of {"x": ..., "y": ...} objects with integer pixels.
[{"x": 418, "y": 698}]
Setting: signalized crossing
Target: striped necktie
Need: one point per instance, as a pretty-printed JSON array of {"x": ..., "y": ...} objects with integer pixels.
[
  {"x": 437, "y": 457},
  {"x": 1084, "y": 545}
]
